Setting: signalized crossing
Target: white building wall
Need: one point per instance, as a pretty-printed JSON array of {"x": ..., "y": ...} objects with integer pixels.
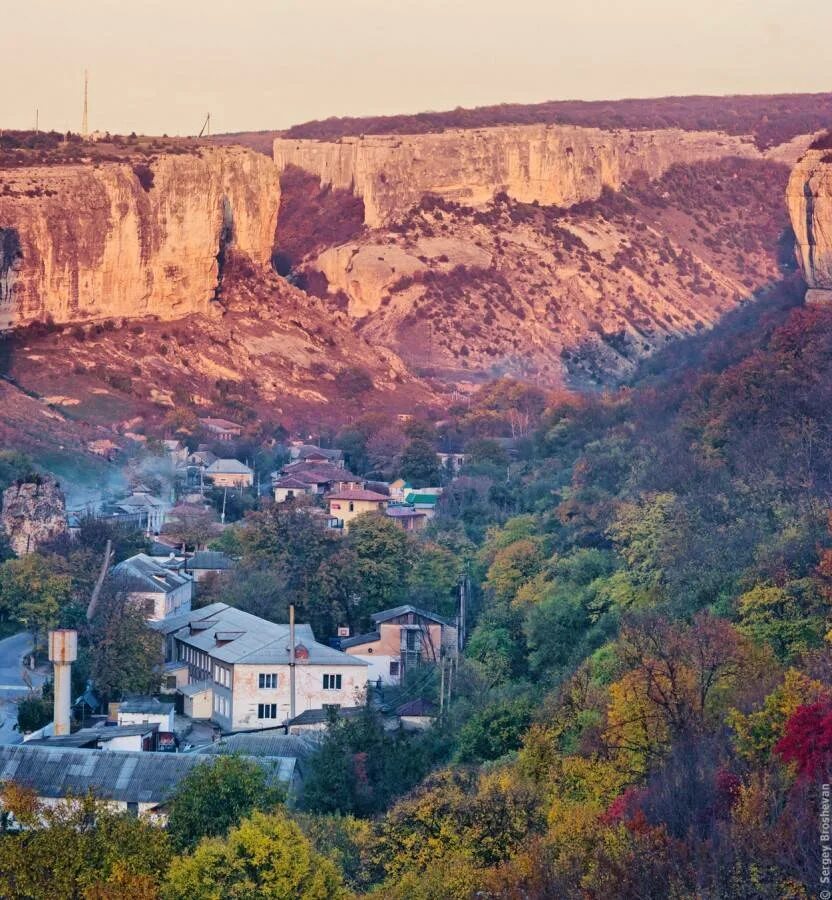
[{"x": 165, "y": 720}]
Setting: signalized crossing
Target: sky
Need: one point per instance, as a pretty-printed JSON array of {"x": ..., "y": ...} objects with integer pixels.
[{"x": 158, "y": 66}]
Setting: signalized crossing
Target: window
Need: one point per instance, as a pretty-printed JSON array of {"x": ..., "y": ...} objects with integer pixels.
[
  {"x": 352, "y": 506},
  {"x": 332, "y": 682},
  {"x": 266, "y": 710},
  {"x": 394, "y": 668},
  {"x": 267, "y": 680},
  {"x": 171, "y": 682}
]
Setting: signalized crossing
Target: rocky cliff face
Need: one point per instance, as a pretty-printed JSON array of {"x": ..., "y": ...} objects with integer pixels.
[
  {"x": 553, "y": 165},
  {"x": 83, "y": 242},
  {"x": 32, "y": 513},
  {"x": 809, "y": 199}
]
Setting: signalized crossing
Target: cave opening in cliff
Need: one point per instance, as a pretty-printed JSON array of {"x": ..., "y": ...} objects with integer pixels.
[{"x": 226, "y": 239}]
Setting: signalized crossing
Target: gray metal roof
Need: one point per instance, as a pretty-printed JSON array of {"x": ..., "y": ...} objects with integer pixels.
[
  {"x": 195, "y": 687},
  {"x": 273, "y": 743},
  {"x": 144, "y": 705},
  {"x": 173, "y": 623},
  {"x": 209, "y": 559},
  {"x": 260, "y": 642},
  {"x": 150, "y": 574},
  {"x": 320, "y": 716},
  {"x": 397, "y": 611},
  {"x": 358, "y": 639},
  {"x": 228, "y": 467},
  {"x": 127, "y": 776}
]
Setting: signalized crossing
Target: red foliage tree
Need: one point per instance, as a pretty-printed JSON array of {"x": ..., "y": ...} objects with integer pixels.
[{"x": 807, "y": 740}]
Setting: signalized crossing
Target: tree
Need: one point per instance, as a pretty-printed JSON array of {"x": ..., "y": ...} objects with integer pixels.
[
  {"x": 420, "y": 464},
  {"x": 265, "y": 856},
  {"x": 807, "y": 741},
  {"x": 494, "y": 731},
  {"x": 216, "y": 795},
  {"x": 34, "y": 590},
  {"x": 79, "y": 848},
  {"x": 485, "y": 457},
  {"x": 124, "y": 656},
  {"x": 384, "y": 450},
  {"x": 14, "y": 466},
  {"x": 792, "y": 618}
]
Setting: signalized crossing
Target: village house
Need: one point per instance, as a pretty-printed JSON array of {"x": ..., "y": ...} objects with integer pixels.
[
  {"x": 176, "y": 451},
  {"x": 344, "y": 506},
  {"x": 287, "y": 487},
  {"x": 140, "y": 509},
  {"x": 246, "y": 662},
  {"x": 160, "y": 589},
  {"x": 205, "y": 563},
  {"x": 144, "y": 710},
  {"x": 425, "y": 500},
  {"x": 298, "y": 451},
  {"x": 230, "y": 473},
  {"x": 407, "y": 518},
  {"x": 322, "y": 478},
  {"x": 138, "y": 782},
  {"x": 404, "y": 637},
  {"x": 399, "y": 489},
  {"x": 221, "y": 429}
]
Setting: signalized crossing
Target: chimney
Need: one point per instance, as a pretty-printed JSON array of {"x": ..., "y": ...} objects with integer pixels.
[{"x": 63, "y": 651}]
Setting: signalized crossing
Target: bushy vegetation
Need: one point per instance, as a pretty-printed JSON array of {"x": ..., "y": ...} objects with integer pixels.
[{"x": 771, "y": 119}]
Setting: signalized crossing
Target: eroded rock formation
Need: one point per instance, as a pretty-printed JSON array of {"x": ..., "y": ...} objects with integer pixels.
[
  {"x": 809, "y": 198},
  {"x": 32, "y": 513},
  {"x": 554, "y": 165},
  {"x": 84, "y": 242}
]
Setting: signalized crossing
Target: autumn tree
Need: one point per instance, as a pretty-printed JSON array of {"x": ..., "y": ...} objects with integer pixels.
[
  {"x": 216, "y": 795},
  {"x": 265, "y": 856}
]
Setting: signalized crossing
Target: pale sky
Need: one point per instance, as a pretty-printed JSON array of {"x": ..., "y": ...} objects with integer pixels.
[{"x": 157, "y": 66}]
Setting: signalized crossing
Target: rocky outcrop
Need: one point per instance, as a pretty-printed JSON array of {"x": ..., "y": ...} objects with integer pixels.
[
  {"x": 32, "y": 513},
  {"x": 133, "y": 238},
  {"x": 553, "y": 165},
  {"x": 809, "y": 199}
]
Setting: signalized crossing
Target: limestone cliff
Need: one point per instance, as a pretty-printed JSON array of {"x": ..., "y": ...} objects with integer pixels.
[
  {"x": 554, "y": 165},
  {"x": 32, "y": 513},
  {"x": 809, "y": 199},
  {"x": 133, "y": 238}
]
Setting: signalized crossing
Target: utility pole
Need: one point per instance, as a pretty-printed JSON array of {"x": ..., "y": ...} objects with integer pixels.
[
  {"x": 37, "y": 121},
  {"x": 291, "y": 661},
  {"x": 224, "y": 498},
  {"x": 442, "y": 687},
  {"x": 85, "y": 125}
]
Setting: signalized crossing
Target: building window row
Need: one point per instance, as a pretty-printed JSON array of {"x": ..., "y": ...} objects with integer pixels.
[
  {"x": 332, "y": 682},
  {"x": 267, "y": 680},
  {"x": 221, "y": 705},
  {"x": 222, "y": 675},
  {"x": 266, "y": 710}
]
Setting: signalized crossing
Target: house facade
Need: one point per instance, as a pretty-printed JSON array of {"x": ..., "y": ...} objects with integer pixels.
[
  {"x": 160, "y": 590},
  {"x": 221, "y": 429},
  {"x": 245, "y": 660},
  {"x": 230, "y": 473},
  {"x": 344, "y": 506},
  {"x": 405, "y": 637}
]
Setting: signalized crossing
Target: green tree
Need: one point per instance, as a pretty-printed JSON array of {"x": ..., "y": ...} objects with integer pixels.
[
  {"x": 15, "y": 466},
  {"x": 420, "y": 464},
  {"x": 265, "y": 856},
  {"x": 78, "y": 849},
  {"x": 122, "y": 654},
  {"x": 792, "y": 618},
  {"x": 33, "y": 591},
  {"x": 433, "y": 579},
  {"x": 494, "y": 731},
  {"x": 216, "y": 795}
]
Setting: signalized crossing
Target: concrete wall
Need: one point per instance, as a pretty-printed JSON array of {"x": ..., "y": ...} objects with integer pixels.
[{"x": 165, "y": 720}]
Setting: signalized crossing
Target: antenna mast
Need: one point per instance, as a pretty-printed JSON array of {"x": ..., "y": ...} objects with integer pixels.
[
  {"x": 85, "y": 125},
  {"x": 206, "y": 128}
]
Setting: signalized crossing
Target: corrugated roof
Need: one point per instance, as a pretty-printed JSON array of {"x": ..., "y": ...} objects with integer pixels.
[
  {"x": 404, "y": 512},
  {"x": 387, "y": 614},
  {"x": 127, "y": 776},
  {"x": 150, "y": 573},
  {"x": 145, "y": 705},
  {"x": 209, "y": 559},
  {"x": 320, "y": 716},
  {"x": 423, "y": 499},
  {"x": 271, "y": 743}
]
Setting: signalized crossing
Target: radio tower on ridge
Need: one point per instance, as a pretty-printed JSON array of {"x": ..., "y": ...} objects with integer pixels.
[{"x": 85, "y": 126}]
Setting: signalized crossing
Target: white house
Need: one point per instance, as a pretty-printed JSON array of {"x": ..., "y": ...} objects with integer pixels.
[
  {"x": 161, "y": 590},
  {"x": 146, "y": 710},
  {"x": 246, "y": 661}
]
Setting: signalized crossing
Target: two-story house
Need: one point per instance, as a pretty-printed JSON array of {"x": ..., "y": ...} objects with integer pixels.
[
  {"x": 230, "y": 473},
  {"x": 162, "y": 590},
  {"x": 245, "y": 662},
  {"x": 404, "y": 637},
  {"x": 344, "y": 506}
]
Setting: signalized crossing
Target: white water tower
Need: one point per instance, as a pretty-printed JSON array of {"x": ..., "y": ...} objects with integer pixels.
[{"x": 63, "y": 651}]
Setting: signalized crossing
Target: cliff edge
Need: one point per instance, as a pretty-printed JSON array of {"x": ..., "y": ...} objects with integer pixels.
[
  {"x": 558, "y": 165},
  {"x": 130, "y": 238},
  {"x": 809, "y": 200}
]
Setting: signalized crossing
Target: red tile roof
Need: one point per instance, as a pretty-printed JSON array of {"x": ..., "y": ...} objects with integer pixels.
[{"x": 357, "y": 495}]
